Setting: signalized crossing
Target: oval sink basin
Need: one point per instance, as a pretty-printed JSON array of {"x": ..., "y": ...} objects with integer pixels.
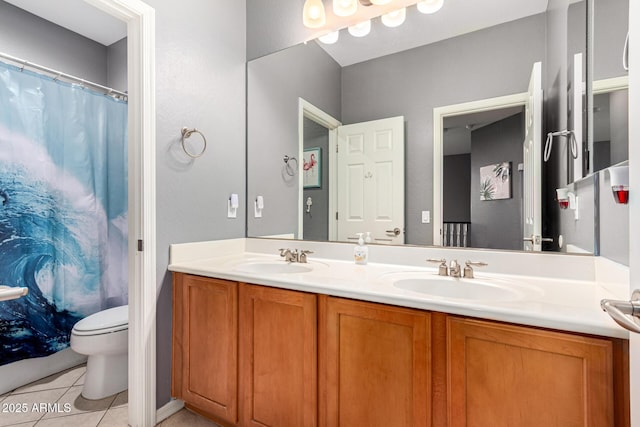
[
  {"x": 463, "y": 289},
  {"x": 273, "y": 267}
]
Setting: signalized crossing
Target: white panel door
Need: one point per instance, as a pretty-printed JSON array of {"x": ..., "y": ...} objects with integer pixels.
[
  {"x": 532, "y": 148},
  {"x": 370, "y": 185}
]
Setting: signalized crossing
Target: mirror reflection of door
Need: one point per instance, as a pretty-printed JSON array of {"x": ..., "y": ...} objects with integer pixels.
[
  {"x": 472, "y": 142},
  {"x": 370, "y": 181}
]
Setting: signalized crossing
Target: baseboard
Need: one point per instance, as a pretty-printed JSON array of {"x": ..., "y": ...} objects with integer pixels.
[{"x": 173, "y": 406}]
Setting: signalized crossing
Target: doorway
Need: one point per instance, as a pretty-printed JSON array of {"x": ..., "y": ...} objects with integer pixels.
[{"x": 483, "y": 209}]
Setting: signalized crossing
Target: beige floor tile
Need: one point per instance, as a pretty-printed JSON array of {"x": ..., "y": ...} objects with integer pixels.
[
  {"x": 121, "y": 399},
  {"x": 64, "y": 379},
  {"x": 79, "y": 404},
  {"x": 29, "y": 424},
  {"x": 90, "y": 419},
  {"x": 185, "y": 417},
  {"x": 25, "y": 407},
  {"x": 116, "y": 417},
  {"x": 80, "y": 380}
]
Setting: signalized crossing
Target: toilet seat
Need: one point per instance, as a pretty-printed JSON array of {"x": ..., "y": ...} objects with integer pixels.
[{"x": 104, "y": 322}]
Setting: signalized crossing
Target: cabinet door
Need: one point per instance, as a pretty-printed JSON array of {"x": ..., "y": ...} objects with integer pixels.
[
  {"x": 278, "y": 357},
  {"x": 503, "y": 375},
  {"x": 375, "y": 365},
  {"x": 205, "y": 345}
]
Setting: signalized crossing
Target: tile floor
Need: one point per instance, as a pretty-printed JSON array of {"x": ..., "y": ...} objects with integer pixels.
[{"x": 55, "y": 401}]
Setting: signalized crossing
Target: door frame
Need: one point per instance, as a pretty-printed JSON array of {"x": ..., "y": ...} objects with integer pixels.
[
  {"x": 634, "y": 203},
  {"x": 439, "y": 114},
  {"x": 140, "y": 20},
  {"x": 310, "y": 111}
]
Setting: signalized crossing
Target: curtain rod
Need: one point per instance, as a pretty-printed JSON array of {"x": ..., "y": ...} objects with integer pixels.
[{"x": 59, "y": 74}]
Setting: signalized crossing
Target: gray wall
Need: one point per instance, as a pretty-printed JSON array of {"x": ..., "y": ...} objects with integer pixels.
[
  {"x": 274, "y": 25},
  {"x": 497, "y": 224},
  {"x": 274, "y": 83},
  {"x": 611, "y": 24},
  {"x": 614, "y": 224},
  {"x": 200, "y": 82},
  {"x": 316, "y": 222},
  {"x": 117, "y": 65},
  {"x": 456, "y": 188},
  {"x": 483, "y": 64},
  {"x": 36, "y": 40}
]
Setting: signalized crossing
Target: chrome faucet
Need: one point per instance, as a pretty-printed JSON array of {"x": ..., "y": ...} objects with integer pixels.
[
  {"x": 289, "y": 255},
  {"x": 294, "y": 255},
  {"x": 454, "y": 268}
]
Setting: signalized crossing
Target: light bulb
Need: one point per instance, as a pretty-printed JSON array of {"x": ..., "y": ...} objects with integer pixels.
[
  {"x": 430, "y": 6},
  {"x": 380, "y": 2},
  {"x": 345, "y": 7},
  {"x": 361, "y": 29},
  {"x": 330, "y": 38},
  {"x": 395, "y": 18},
  {"x": 313, "y": 15}
]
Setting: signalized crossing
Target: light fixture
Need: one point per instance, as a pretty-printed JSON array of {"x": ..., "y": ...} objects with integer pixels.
[
  {"x": 430, "y": 6},
  {"x": 345, "y": 7},
  {"x": 330, "y": 38},
  {"x": 380, "y": 2},
  {"x": 313, "y": 15},
  {"x": 395, "y": 18},
  {"x": 361, "y": 29}
]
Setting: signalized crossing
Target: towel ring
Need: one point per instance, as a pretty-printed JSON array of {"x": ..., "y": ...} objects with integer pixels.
[
  {"x": 291, "y": 171},
  {"x": 186, "y": 133}
]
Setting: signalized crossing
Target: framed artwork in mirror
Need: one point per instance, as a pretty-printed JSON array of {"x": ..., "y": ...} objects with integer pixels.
[
  {"x": 312, "y": 167},
  {"x": 495, "y": 181}
]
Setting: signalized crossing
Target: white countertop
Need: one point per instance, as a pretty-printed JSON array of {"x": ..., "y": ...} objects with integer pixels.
[{"x": 556, "y": 303}]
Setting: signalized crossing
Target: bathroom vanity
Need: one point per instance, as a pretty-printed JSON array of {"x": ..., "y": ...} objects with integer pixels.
[{"x": 261, "y": 342}]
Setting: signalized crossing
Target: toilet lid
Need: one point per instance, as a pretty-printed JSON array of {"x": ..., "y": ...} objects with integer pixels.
[{"x": 112, "y": 319}]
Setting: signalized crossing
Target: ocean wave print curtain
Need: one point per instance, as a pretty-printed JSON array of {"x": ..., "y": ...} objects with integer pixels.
[{"x": 63, "y": 209}]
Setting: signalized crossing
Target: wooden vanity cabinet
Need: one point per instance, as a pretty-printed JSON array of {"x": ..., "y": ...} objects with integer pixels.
[
  {"x": 257, "y": 356},
  {"x": 374, "y": 364},
  {"x": 278, "y": 357},
  {"x": 506, "y": 375},
  {"x": 205, "y": 345}
]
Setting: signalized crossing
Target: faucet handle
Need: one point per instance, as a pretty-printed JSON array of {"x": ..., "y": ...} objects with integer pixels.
[
  {"x": 442, "y": 268},
  {"x": 283, "y": 251},
  {"x": 302, "y": 256},
  {"x": 468, "y": 270}
]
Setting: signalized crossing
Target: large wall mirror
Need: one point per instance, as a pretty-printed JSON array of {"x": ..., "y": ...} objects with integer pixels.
[{"x": 342, "y": 138}]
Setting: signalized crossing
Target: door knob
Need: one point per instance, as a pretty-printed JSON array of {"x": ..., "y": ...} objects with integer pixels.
[
  {"x": 396, "y": 231},
  {"x": 625, "y": 313}
]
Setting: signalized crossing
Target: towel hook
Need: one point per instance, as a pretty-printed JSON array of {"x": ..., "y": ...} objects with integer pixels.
[
  {"x": 186, "y": 133},
  {"x": 291, "y": 171}
]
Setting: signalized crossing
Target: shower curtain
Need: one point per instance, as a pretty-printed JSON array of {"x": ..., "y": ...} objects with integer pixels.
[{"x": 63, "y": 209}]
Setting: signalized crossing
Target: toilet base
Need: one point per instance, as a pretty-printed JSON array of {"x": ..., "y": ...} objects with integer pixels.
[{"x": 106, "y": 375}]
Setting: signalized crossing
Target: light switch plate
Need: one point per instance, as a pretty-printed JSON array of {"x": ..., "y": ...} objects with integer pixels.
[{"x": 426, "y": 217}]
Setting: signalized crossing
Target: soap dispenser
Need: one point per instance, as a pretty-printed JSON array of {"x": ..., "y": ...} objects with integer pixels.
[{"x": 360, "y": 252}]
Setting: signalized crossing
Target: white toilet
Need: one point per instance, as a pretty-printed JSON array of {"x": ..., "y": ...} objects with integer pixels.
[{"x": 104, "y": 337}]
